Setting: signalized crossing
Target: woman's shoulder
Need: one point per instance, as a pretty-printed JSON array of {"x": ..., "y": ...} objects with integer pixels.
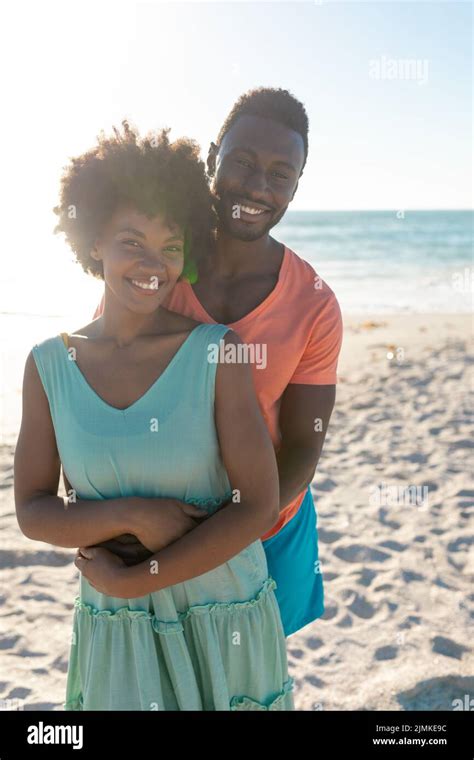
[
  {"x": 179, "y": 323},
  {"x": 47, "y": 345}
]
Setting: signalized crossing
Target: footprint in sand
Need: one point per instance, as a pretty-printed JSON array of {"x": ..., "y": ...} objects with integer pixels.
[
  {"x": 61, "y": 663},
  {"x": 460, "y": 544},
  {"x": 409, "y": 576},
  {"x": 312, "y": 642},
  {"x": 360, "y": 553},
  {"x": 384, "y": 587},
  {"x": 366, "y": 576},
  {"x": 389, "y": 523},
  {"x": 448, "y": 647},
  {"x": 463, "y": 443},
  {"x": 395, "y": 546},
  {"x": 386, "y": 653},
  {"x": 325, "y": 485},
  {"x": 18, "y": 693},
  {"x": 16, "y": 559},
  {"x": 410, "y": 621},
  {"x": 29, "y": 653},
  {"x": 328, "y": 536},
  {"x": 466, "y": 492},
  {"x": 330, "y": 659},
  {"x": 8, "y": 642},
  {"x": 330, "y": 611},
  {"x": 296, "y": 653},
  {"x": 345, "y": 622},
  {"x": 39, "y": 597},
  {"x": 440, "y": 694},
  {"x": 314, "y": 681},
  {"x": 358, "y": 605}
]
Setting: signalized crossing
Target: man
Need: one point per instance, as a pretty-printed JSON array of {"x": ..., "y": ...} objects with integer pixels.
[{"x": 284, "y": 313}]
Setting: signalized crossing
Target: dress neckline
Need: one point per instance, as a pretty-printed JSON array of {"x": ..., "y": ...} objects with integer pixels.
[{"x": 174, "y": 360}]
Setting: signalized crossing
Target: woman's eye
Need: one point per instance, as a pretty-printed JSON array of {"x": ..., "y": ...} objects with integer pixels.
[
  {"x": 243, "y": 162},
  {"x": 173, "y": 249},
  {"x": 132, "y": 243}
]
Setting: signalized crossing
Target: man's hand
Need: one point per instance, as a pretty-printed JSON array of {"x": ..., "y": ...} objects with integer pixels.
[
  {"x": 158, "y": 523},
  {"x": 128, "y": 548}
]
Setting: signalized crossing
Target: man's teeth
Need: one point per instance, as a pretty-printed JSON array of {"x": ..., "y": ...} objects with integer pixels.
[
  {"x": 250, "y": 209},
  {"x": 152, "y": 285}
]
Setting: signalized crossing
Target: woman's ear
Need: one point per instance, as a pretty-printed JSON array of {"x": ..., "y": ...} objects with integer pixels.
[
  {"x": 95, "y": 253},
  {"x": 211, "y": 159}
]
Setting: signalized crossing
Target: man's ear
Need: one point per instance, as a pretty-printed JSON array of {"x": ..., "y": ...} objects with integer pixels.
[{"x": 211, "y": 159}]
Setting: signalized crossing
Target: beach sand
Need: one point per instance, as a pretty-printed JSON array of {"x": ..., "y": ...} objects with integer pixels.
[{"x": 397, "y": 633}]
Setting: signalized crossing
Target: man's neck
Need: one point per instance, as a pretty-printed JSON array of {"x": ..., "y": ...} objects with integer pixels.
[{"x": 238, "y": 257}]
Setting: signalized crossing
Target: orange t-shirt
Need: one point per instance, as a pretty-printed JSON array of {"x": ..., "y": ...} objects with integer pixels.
[{"x": 296, "y": 333}]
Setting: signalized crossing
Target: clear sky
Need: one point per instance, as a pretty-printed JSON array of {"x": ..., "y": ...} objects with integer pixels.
[{"x": 73, "y": 68}]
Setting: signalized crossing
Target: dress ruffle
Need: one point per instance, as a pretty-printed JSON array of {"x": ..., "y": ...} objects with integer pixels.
[
  {"x": 211, "y": 504},
  {"x": 176, "y": 626},
  {"x": 278, "y": 703},
  {"x": 134, "y": 660}
]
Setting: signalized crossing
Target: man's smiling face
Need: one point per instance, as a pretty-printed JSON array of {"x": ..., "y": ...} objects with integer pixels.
[{"x": 257, "y": 167}]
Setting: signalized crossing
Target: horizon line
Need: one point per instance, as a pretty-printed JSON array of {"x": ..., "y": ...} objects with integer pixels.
[{"x": 392, "y": 209}]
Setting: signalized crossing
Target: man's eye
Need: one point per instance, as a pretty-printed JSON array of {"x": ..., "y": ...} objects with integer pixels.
[
  {"x": 243, "y": 162},
  {"x": 279, "y": 176}
]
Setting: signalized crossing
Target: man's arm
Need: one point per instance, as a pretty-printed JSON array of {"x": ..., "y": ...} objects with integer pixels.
[
  {"x": 308, "y": 401},
  {"x": 304, "y": 419}
]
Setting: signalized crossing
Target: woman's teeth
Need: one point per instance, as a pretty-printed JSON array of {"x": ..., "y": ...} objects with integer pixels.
[
  {"x": 251, "y": 209},
  {"x": 150, "y": 285}
]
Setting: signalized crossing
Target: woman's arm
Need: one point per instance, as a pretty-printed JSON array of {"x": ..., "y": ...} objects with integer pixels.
[
  {"x": 41, "y": 514},
  {"x": 249, "y": 459}
]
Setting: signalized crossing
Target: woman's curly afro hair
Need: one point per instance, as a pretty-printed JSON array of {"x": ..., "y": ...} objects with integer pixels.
[{"x": 150, "y": 174}]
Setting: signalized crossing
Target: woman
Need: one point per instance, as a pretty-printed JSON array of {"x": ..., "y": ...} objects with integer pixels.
[{"x": 148, "y": 430}]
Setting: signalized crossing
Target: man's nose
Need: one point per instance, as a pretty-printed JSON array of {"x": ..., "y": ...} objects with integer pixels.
[{"x": 257, "y": 183}]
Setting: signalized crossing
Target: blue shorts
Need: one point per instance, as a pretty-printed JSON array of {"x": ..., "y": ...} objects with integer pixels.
[{"x": 293, "y": 562}]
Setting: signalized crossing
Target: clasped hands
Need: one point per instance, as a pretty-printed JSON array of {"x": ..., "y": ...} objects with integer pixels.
[{"x": 156, "y": 524}]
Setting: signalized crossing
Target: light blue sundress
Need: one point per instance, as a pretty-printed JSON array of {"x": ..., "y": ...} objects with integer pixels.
[{"x": 214, "y": 642}]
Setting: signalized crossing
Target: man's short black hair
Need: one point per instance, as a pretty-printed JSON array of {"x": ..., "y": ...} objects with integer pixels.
[{"x": 270, "y": 103}]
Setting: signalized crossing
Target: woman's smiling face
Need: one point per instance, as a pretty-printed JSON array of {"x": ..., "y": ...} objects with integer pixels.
[{"x": 142, "y": 258}]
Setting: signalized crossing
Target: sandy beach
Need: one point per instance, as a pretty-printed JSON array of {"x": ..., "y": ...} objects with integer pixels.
[{"x": 398, "y": 569}]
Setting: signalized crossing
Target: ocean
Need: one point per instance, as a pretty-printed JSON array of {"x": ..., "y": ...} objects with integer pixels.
[{"x": 378, "y": 262}]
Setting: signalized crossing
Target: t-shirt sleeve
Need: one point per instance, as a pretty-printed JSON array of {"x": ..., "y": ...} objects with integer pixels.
[{"x": 318, "y": 364}]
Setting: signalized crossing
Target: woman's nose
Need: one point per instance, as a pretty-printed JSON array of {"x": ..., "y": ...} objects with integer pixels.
[{"x": 151, "y": 264}]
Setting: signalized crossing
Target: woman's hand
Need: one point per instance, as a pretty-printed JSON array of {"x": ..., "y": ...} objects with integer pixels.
[{"x": 104, "y": 571}]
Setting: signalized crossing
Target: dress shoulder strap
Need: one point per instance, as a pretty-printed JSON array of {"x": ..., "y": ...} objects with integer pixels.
[{"x": 64, "y": 336}]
